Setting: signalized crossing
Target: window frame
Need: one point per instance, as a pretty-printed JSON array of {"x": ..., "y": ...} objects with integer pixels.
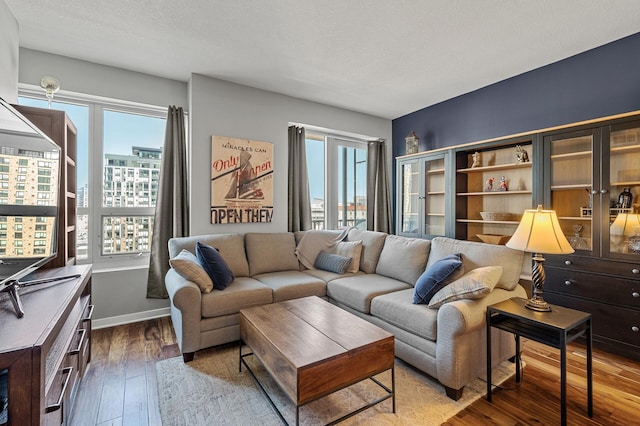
[
  {"x": 95, "y": 211},
  {"x": 332, "y": 143}
]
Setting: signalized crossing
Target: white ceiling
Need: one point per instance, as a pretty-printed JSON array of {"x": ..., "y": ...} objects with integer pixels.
[{"x": 381, "y": 57}]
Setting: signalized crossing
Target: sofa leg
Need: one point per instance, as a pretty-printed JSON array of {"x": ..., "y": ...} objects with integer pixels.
[
  {"x": 188, "y": 356},
  {"x": 454, "y": 394}
]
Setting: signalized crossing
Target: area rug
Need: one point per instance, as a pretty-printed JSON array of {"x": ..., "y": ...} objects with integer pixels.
[{"x": 210, "y": 391}]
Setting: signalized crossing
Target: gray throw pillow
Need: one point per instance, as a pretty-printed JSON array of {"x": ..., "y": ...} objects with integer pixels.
[{"x": 332, "y": 262}]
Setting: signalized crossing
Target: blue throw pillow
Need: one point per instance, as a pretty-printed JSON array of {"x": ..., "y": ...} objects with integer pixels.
[
  {"x": 438, "y": 275},
  {"x": 332, "y": 262},
  {"x": 214, "y": 265}
]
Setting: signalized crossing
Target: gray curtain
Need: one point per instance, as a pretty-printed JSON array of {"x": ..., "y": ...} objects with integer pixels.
[
  {"x": 171, "y": 217},
  {"x": 299, "y": 207},
  {"x": 378, "y": 194}
]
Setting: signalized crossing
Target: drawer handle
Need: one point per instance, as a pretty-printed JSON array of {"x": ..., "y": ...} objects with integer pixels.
[
  {"x": 567, "y": 282},
  {"x": 83, "y": 334},
  {"x": 635, "y": 294},
  {"x": 635, "y": 328},
  {"x": 58, "y": 405},
  {"x": 635, "y": 271},
  {"x": 90, "y": 314},
  {"x": 567, "y": 262}
]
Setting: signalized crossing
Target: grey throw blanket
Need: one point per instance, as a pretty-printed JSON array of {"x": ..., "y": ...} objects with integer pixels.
[{"x": 314, "y": 241}]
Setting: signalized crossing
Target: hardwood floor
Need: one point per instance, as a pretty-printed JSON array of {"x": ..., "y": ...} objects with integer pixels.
[{"x": 120, "y": 385}]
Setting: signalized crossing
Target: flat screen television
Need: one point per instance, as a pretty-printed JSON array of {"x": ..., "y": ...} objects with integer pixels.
[{"x": 29, "y": 188}]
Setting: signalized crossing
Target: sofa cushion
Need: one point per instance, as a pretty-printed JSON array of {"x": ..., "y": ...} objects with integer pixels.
[
  {"x": 215, "y": 266},
  {"x": 186, "y": 264},
  {"x": 271, "y": 252},
  {"x": 403, "y": 258},
  {"x": 436, "y": 276},
  {"x": 474, "y": 284},
  {"x": 288, "y": 285},
  {"x": 327, "y": 276},
  {"x": 475, "y": 255},
  {"x": 353, "y": 250},
  {"x": 398, "y": 309},
  {"x": 332, "y": 262},
  {"x": 243, "y": 292},
  {"x": 372, "y": 243},
  {"x": 230, "y": 246},
  {"x": 358, "y": 290}
]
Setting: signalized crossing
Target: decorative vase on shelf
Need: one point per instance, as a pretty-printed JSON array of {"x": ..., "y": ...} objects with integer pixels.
[
  {"x": 634, "y": 242},
  {"x": 577, "y": 242},
  {"x": 625, "y": 198}
]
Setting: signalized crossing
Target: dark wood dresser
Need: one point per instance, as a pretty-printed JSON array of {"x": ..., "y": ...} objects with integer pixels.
[
  {"x": 44, "y": 355},
  {"x": 609, "y": 290}
]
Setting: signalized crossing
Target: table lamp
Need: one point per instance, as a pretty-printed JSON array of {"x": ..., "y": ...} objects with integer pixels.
[
  {"x": 539, "y": 233},
  {"x": 625, "y": 225}
]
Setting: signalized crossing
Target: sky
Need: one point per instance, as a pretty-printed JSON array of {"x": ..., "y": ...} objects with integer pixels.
[
  {"x": 122, "y": 131},
  {"x": 316, "y": 170}
]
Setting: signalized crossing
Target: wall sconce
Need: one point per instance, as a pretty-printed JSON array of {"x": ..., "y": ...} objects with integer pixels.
[
  {"x": 50, "y": 85},
  {"x": 412, "y": 143}
]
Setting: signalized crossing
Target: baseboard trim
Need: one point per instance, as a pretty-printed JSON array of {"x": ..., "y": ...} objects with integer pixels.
[{"x": 130, "y": 318}]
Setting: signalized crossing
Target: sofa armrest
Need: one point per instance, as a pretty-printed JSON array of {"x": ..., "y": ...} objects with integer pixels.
[
  {"x": 464, "y": 316},
  {"x": 461, "y": 338},
  {"x": 186, "y": 310}
]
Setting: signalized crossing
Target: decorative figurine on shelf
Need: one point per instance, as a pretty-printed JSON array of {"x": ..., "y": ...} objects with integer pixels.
[
  {"x": 489, "y": 184},
  {"x": 503, "y": 184},
  {"x": 521, "y": 155},
  {"x": 476, "y": 159}
]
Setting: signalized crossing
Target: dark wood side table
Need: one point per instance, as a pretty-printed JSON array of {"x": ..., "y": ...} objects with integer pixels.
[{"x": 555, "y": 328}]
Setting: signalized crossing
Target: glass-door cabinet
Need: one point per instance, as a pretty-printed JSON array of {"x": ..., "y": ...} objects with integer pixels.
[
  {"x": 594, "y": 183},
  {"x": 624, "y": 189},
  {"x": 421, "y": 204},
  {"x": 572, "y": 185}
]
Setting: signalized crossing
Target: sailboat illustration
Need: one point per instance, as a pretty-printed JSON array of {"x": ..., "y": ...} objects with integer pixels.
[{"x": 243, "y": 185}]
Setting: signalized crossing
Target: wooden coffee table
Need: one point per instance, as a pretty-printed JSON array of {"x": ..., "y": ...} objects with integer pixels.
[{"x": 312, "y": 348}]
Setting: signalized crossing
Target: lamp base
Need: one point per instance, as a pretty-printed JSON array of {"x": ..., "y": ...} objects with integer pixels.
[{"x": 538, "y": 305}]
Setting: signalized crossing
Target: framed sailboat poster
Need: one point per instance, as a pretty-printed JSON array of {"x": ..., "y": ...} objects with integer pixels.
[{"x": 241, "y": 181}]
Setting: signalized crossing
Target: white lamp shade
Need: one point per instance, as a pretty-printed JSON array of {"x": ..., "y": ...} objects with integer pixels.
[
  {"x": 539, "y": 232},
  {"x": 625, "y": 224}
]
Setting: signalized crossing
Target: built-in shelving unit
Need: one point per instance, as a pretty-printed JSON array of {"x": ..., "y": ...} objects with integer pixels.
[{"x": 480, "y": 171}]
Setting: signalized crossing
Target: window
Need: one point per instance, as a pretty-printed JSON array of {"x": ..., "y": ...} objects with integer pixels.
[
  {"x": 337, "y": 170},
  {"x": 117, "y": 170},
  {"x": 128, "y": 194}
]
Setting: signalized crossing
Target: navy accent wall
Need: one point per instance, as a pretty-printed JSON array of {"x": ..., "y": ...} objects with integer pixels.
[{"x": 597, "y": 83}]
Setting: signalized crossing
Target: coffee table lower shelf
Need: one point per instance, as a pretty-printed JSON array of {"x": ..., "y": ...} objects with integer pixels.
[{"x": 390, "y": 393}]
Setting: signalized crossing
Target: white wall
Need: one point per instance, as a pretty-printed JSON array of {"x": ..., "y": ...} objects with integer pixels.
[
  {"x": 227, "y": 109},
  {"x": 8, "y": 54},
  {"x": 101, "y": 80}
]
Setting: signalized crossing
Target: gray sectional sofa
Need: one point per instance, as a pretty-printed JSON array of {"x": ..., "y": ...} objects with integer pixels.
[{"x": 447, "y": 343}]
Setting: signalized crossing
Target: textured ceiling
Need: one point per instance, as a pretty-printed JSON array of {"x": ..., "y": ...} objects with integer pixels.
[{"x": 382, "y": 57}]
